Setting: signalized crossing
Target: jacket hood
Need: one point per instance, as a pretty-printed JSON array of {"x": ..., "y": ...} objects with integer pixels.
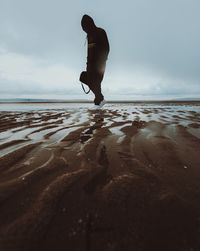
[{"x": 87, "y": 24}]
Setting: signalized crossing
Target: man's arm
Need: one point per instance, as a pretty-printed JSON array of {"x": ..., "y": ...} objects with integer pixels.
[
  {"x": 91, "y": 58},
  {"x": 92, "y": 45},
  {"x": 103, "y": 42}
]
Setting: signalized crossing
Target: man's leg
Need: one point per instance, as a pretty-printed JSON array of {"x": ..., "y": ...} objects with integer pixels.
[
  {"x": 94, "y": 85},
  {"x": 96, "y": 88},
  {"x": 98, "y": 95}
]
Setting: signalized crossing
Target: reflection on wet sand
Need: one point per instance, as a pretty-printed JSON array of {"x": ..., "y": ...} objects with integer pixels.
[{"x": 109, "y": 179}]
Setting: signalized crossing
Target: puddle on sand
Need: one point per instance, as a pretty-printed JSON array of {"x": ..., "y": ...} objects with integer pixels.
[
  {"x": 13, "y": 148},
  {"x": 78, "y": 115},
  {"x": 117, "y": 129},
  {"x": 61, "y": 134}
]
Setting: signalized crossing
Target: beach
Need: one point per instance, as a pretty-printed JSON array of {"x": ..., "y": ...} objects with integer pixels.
[{"x": 126, "y": 177}]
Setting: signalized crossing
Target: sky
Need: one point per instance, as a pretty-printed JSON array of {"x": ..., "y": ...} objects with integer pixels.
[{"x": 154, "y": 48}]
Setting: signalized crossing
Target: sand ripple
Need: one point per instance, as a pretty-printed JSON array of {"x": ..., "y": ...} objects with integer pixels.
[{"x": 89, "y": 180}]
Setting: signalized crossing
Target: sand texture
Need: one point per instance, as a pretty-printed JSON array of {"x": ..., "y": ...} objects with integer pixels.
[{"x": 126, "y": 178}]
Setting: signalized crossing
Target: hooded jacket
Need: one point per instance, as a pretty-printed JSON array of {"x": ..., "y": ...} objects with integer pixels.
[{"x": 98, "y": 45}]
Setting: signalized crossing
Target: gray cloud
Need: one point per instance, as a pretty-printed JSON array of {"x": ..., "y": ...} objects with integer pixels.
[{"x": 162, "y": 36}]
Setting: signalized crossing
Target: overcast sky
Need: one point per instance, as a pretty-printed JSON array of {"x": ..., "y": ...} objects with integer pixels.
[{"x": 154, "y": 48}]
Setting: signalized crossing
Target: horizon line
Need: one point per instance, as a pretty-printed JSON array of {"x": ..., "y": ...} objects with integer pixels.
[{"x": 42, "y": 101}]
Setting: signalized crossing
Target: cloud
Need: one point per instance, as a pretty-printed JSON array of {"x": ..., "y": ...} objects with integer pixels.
[
  {"x": 23, "y": 75},
  {"x": 33, "y": 73},
  {"x": 154, "y": 46}
]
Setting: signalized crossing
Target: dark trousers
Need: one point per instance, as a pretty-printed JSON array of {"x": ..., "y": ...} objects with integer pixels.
[{"x": 93, "y": 80}]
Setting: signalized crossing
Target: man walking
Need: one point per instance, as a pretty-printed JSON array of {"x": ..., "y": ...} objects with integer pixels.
[{"x": 98, "y": 49}]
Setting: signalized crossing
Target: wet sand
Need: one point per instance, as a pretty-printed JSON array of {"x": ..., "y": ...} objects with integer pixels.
[{"x": 123, "y": 178}]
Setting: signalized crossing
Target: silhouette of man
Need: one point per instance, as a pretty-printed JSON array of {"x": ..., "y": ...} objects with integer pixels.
[{"x": 98, "y": 49}]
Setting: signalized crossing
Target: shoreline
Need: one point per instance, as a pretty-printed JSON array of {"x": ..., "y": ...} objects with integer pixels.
[{"x": 108, "y": 102}]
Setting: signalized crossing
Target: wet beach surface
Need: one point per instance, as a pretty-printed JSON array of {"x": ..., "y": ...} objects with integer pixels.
[{"x": 123, "y": 178}]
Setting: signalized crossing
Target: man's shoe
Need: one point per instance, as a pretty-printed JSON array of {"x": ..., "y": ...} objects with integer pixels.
[
  {"x": 102, "y": 103},
  {"x": 95, "y": 107},
  {"x": 98, "y": 107}
]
